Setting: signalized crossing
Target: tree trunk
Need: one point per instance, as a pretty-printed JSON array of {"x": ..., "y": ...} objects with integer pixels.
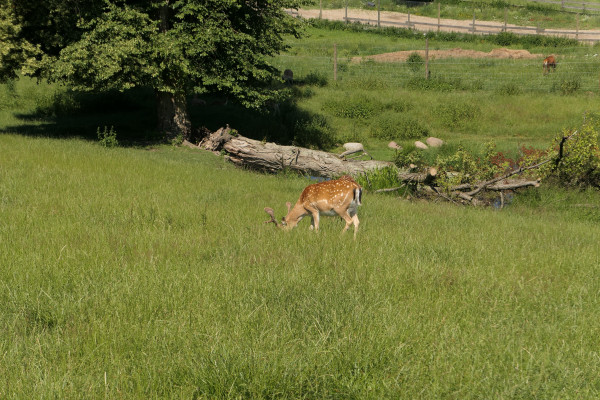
[
  {"x": 173, "y": 119},
  {"x": 271, "y": 157}
]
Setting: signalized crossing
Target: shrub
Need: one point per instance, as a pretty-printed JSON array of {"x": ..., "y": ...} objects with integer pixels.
[
  {"x": 570, "y": 85},
  {"x": 313, "y": 132},
  {"x": 415, "y": 62},
  {"x": 409, "y": 155},
  {"x": 379, "y": 179},
  {"x": 580, "y": 162},
  {"x": 392, "y": 125},
  {"x": 108, "y": 138},
  {"x": 315, "y": 79}
]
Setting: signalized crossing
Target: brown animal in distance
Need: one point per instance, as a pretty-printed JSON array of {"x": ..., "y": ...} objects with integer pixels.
[
  {"x": 341, "y": 196},
  {"x": 549, "y": 62}
]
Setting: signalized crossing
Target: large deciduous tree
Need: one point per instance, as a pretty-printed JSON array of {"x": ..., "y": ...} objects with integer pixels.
[
  {"x": 16, "y": 53},
  {"x": 177, "y": 47}
]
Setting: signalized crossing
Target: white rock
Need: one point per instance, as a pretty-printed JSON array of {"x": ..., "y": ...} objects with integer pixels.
[
  {"x": 434, "y": 142},
  {"x": 394, "y": 145},
  {"x": 420, "y": 145},
  {"x": 353, "y": 146}
]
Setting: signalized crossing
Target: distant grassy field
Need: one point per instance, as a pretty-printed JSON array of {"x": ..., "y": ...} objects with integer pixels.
[
  {"x": 148, "y": 273},
  {"x": 466, "y": 101},
  {"x": 517, "y": 12}
]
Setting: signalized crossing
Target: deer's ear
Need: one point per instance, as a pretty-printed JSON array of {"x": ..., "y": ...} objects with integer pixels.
[{"x": 289, "y": 206}]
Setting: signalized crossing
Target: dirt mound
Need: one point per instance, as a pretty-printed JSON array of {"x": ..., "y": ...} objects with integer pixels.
[{"x": 453, "y": 53}]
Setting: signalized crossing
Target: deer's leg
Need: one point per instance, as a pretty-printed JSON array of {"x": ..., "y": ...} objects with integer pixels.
[
  {"x": 346, "y": 217},
  {"x": 314, "y": 218},
  {"x": 356, "y": 222}
]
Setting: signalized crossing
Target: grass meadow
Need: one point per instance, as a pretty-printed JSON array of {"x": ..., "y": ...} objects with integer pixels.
[{"x": 146, "y": 271}]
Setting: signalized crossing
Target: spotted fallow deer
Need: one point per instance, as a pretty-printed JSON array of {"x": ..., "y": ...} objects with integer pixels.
[{"x": 341, "y": 196}]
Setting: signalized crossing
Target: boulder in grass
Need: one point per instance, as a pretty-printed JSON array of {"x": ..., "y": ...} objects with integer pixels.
[
  {"x": 421, "y": 145},
  {"x": 434, "y": 142},
  {"x": 394, "y": 145}
]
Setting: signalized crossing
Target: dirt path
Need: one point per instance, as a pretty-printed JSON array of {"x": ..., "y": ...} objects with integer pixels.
[
  {"x": 452, "y": 53},
  {"x": 388, "y": 18}
]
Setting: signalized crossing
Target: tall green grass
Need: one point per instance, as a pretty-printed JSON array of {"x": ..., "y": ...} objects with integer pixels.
[{"x": 148, "y": 273}]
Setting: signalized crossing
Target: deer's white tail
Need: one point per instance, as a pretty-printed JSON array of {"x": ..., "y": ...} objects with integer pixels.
[{"x": 358, "y": 196}]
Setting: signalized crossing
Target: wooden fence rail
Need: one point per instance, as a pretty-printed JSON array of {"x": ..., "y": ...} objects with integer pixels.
[
  {"x": 585, "y": 7},
  {"x": 484, "y": 29}
]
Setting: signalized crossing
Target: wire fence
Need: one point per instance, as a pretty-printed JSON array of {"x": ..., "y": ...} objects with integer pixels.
[
  {"x": 474, "y": 26},
  {"x": 573, "y": 5},
  {"x": 571, "y": 75}
]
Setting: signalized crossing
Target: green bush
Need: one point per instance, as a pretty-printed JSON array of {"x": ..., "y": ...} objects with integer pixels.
[
  {"x": 580, "y": 161},
  {"x": 392, "y": 125},
  {"x": 570, "y": 85},
  {"x": 313, "y": 132},
  {"x": 379, "y": 179},
  {"x": 107, "y": 137},
  {"x": 415, "y": 62},
  {"x": 315, "y": 79}
]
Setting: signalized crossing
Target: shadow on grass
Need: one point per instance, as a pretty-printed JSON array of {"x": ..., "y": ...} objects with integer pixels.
[
  {"x": 132, "y": 115},
  {"x": 66, "y": 114}
]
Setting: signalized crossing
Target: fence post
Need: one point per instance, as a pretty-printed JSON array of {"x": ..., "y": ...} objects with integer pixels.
[
  {"x": 426, "y": 58},
  {"x": 473, "y": 29},
  {"x": 335, "y": 62},
  {"x": 562, "y": 4},
  {"x": 378, "y": 10},
  {"x": 320, "y": 9},
  {"x": 408, "y": 20},
  {"x": 577, "y": 30},
  {"x": 438, "y": 17},
  {"x": 505, "y": 19},
  {"x": 346, "y": 13}
]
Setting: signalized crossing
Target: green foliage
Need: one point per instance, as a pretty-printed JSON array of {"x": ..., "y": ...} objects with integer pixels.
[
  {"x": 415, "y": 62},
  {"x": 107, "y": 137},
  {"x": 315, "y": 78},
  {"x": 175, "y": 48},
  {"x": 393, "y": 125},
  {"x": 568, "y": 86},
  {"x": 17, "y": 55},
  {"x": 382, "y": 178},
  {"x": 580, "y": 162},
  {"x": 312, "y": 131},
  {"x": 408, "y": 155}
]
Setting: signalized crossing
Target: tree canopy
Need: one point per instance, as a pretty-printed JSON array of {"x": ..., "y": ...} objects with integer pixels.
[
  {"x": 16, "y": 53},
  {"x": 176, "y": 47}
]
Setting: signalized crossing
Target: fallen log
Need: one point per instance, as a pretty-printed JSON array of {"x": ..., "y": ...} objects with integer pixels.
[
  {"x": 425, "y": 178},
  {"x": 266, "y": 156}
]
